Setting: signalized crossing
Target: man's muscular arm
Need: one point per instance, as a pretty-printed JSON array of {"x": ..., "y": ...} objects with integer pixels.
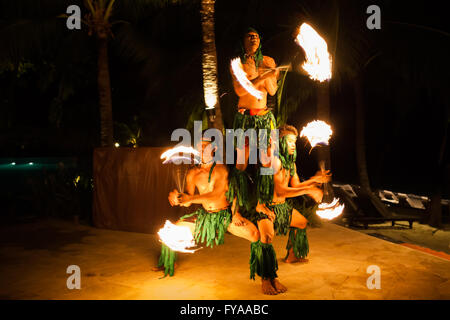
[
  {"x": 268, "y": 80},
  {"x": 176, "y": 198},
  {"x": 238, "y": 89},
  {"x": 271, "y": 78},
  {"x": 319, "y": 178},
  {"x": 292, "y": 192}
]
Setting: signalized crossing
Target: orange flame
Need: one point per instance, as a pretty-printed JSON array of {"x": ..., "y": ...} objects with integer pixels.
[
  {"x": 167, "y": 155},
  {"x": 177, "y": 238},
  {"x": 318, "y": 60},
  {"x": 331, "y": 210},
  {"x": 241, "y": 76},
  {"x": 317, "y": 132}
]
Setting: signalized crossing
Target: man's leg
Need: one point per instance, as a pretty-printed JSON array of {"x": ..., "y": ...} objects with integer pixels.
[
  {"x": 297, "y": 245},
  {"x": 167, "y": 258},
  {"x": 242, "y": 155},
  {"x": 263, "y": 260},
  {"x": 247, "y": 231}
]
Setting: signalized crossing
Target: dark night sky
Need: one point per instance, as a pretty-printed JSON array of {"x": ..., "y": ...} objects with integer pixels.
[{"x": 405, "y": 123}]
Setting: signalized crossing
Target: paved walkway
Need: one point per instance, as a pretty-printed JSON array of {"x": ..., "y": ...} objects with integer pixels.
[{"x": 115, "y": 265}]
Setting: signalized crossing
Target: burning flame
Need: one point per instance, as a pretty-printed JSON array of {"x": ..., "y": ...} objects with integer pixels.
[
  {"x": 177, "y": 238},
  {"x": 318, "y": 60},
  {"x": 167, "y": 156},
  {"x": 177, "y": 159},
  {"x": 317, "y": 132},
  {"x": 241, "y": 76},
  {"x": 331, "y": 210}
]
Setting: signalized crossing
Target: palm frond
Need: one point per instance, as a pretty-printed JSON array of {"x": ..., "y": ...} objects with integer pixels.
[{"x": 108, "y": 10}]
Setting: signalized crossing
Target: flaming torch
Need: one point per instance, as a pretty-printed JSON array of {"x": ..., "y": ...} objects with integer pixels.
[
  {"x": 318, "y": 65},
  {"x": 177, "y": 238},
  {"x": 241, "y": 77},
  {"x": 319, "y": 133},
  {"x": 318, "y": 61},
  {"x": 172, "y": 155}
]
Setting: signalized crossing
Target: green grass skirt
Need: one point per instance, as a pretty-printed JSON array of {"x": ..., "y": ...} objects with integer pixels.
[
  {"x": 238, "y": 188},
  {"x": 264, "y": 183},
  {"x": 299, "y": 242},
  {"x": 246, "y": 121},
  {"x": 283, "y": 216},
  {"x": 167, "y": 259},
  {"x": 263, "y": 260},
  {"x": 210, "y": 227}
]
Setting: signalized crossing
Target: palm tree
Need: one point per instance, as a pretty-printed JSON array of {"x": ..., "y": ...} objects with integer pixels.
[
  {"x": 38, "y": 28},
  {"x": 98, "y": 21},
  {"x": 209, "y": 64}
]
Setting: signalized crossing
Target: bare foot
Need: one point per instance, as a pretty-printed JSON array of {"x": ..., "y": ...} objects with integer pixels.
[
  {"x": 267, "y": 287},
  {"x": 278, "y": 286},
  {"x": 294, "y": 259},
  {"x": 162, "y": 267}
]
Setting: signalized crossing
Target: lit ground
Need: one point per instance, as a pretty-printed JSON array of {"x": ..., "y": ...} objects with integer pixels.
[{"x": 116, "y": 265}]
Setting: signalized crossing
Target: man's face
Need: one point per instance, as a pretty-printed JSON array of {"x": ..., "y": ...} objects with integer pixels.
[
  {"x": 291, "y": 139},
  {"x": 207, "y": 151},
  {"x": 251, "y": 42}
]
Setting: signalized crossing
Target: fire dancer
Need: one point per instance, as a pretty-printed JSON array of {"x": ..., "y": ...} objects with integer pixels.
[
  {"x": 252, "y": 110},
  {"x": 279, "y": 216},
  {"x": 209, "y": 223}
]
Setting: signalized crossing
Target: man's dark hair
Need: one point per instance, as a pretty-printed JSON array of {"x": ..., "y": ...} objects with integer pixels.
[
  {"x": 287, "y": 129},
  {"x": 258, "y": 53}
]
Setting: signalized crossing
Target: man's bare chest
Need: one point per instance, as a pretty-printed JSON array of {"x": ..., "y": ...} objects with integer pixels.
[
  {"x": 202, "y": 183},
  {"x": 283, "y": 177},
  {"x": 250, "y": 69}
]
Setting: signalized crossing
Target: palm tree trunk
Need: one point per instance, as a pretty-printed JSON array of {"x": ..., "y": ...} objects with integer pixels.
[
  {"x": 209, "y": 63},
  {"x": 361, "y": 148},
  {"x": 104, "y": 92}
]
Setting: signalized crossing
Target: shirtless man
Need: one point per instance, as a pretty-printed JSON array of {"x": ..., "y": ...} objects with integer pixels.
[
  {"x": 262, "y": 74},
  {"x": 211, "y": 181},
  {"x": 279, "y": 216},
  {"x": 252, "y": 113}
]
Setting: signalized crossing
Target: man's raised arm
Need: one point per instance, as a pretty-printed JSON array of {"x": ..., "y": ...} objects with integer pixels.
[
  {"x": 271, "y": 77},
  {"x": 292, "y": 192}
]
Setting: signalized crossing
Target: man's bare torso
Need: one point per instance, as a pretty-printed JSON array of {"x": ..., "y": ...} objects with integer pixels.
[
  {"x": 248, "y": 101},
  {"x": 219, "y": 177},
  {"x": 283, "y": 178}
]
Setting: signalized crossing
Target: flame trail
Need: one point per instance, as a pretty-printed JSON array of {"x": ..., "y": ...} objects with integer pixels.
[
  {"x": 331, "y": 210},
  {"x": 241, "y": 76},
  {"x": 318, "y": 62},
  {"x": 175, "y": 151},
  {"x": 317, "y": 132},
  {"x": 177, "y": 238},
  {"x": 172, "y": 156}
]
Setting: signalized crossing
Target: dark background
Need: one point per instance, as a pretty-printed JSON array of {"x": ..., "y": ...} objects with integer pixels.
[{"x": 49, "y": 97}]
